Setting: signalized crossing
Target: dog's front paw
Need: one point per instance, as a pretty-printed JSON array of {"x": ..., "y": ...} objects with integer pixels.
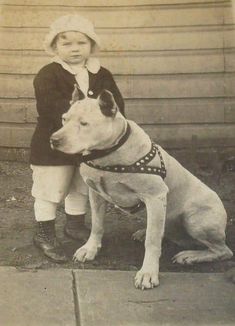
[
  {"x": 139, "y": 235},
  {"x": 146, "y": 279},
  {"x": 85, "y": 253}
]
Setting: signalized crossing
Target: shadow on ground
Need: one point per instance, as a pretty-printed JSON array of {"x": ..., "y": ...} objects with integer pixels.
[{"x": 119, "y": 251}]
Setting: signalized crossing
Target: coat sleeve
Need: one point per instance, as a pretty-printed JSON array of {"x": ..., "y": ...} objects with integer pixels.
[
  {"x": 112, "y": 86},
  {"x": 51, "y": 103}
]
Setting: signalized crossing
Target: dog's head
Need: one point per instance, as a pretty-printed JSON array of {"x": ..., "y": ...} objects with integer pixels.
[{"x": 88, "y": 124}]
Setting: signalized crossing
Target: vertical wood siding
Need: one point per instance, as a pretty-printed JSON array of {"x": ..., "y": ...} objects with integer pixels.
[{"x": 174, "y": 62}]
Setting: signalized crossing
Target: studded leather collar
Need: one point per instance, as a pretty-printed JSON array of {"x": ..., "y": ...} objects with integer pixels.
[{"x": 139, "y": 166}]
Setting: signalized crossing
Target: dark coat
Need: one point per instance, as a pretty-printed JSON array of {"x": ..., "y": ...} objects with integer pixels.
[{"x": 53, "y": 91}]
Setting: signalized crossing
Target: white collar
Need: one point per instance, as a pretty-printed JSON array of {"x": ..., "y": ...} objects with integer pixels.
[{"x": 92, "y": 65}]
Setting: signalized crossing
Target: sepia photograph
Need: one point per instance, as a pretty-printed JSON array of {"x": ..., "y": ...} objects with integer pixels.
[{"x": 117, "y": 163}]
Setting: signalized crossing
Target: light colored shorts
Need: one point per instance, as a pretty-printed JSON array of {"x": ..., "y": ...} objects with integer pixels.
[{"x": 54, "y": 183}]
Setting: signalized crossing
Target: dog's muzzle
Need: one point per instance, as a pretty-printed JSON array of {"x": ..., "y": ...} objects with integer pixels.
[{"x": 55, "y": 142}]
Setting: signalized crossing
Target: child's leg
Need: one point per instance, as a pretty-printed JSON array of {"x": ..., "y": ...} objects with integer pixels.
[
  {"x": 75, "y": 209},
  {"x": 50, "y": 186},
  {"x": 44, "y": 210}
]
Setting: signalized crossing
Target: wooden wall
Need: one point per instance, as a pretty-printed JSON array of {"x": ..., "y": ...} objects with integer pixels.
[{"x": 174, "y": 62}]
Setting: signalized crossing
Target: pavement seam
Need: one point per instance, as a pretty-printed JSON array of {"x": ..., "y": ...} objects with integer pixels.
[{"x": 75, "y": 300}]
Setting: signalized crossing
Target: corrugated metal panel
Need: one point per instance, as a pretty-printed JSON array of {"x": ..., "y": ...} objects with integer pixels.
[
  {"x": 110, "y": 3},
  {"x": 132, "y": 39},
  {"x": 171, "y": 136},
  {"x": 142, "y": 86},
  {"x": 143, "y": 111},
  {"x": 136, "y": 63},
  {"x": 117, "y": 17},
  {"x": 174, "y": 62}
]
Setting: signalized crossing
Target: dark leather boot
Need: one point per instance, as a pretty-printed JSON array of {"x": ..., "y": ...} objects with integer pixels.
[
  {"x": 75, "y": 227},
  {"x": 45, "y": 239}
]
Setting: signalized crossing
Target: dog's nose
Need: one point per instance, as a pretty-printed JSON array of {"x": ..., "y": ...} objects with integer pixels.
[{"x": 54, "y": 142}]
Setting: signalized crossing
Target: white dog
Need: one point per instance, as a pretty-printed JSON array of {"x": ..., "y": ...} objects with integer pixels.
[{"x": 122, "y": 166}]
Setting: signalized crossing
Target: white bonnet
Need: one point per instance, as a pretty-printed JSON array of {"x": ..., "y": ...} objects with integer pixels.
[{"x": 70, "y": 23}]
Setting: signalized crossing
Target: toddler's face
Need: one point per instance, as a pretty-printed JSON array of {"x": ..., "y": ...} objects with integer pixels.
[{"x": 73, "y": 47}]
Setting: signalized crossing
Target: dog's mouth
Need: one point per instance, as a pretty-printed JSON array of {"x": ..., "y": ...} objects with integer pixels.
[
  {"x": 54, "y": 143},
  {"x": 58, "y": 145}
]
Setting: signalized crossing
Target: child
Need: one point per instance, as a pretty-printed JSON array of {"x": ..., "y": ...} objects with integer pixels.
[{"x": 56, "y": 176}]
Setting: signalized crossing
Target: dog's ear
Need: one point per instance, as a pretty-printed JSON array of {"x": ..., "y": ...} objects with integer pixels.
[
  {"x": 77, "y": 95},
  {"x": 107, "y": 103}
]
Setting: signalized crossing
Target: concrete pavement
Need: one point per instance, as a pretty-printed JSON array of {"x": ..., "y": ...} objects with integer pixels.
[
  {"x": 108, "y": 298},
  {"x": 36, "y": 298}
]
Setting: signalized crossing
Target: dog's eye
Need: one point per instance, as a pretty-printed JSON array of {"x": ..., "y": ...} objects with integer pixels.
[{"x": 82, "y": 123}]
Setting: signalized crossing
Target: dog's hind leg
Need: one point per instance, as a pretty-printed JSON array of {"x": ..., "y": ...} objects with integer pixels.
[
  {"x": 214, "y": 252},
  {"x": 208, "y": 232}
]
